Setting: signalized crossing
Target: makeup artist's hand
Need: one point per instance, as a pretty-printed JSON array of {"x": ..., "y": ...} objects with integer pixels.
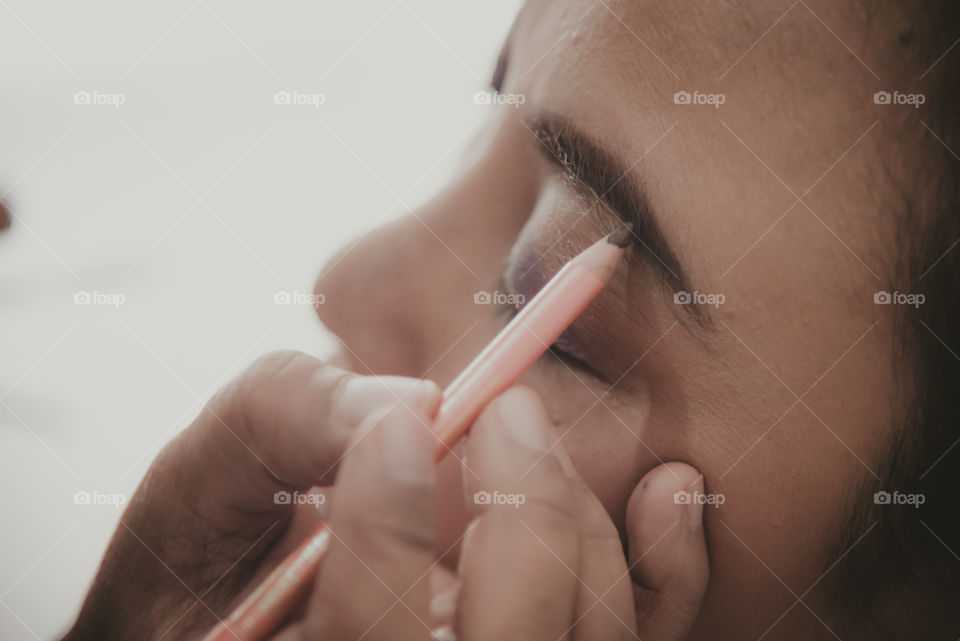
[
  {"x": 551, "y": 567},
  {"x": 556, "y": 562},
  {"x": 204, "y": 524}
]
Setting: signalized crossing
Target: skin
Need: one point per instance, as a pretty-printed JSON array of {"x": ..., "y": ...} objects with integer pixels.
[
  {"x": 799, "y": 318},
  {"x": 205, "y": 528},
  {"x": 768, "y": 401}
]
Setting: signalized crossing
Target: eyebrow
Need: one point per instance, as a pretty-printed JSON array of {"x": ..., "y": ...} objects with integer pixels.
[{"x": 603, "y": 177}]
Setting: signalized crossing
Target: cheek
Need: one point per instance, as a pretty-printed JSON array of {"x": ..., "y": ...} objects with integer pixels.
[
  {"x": 609, "y": 457},
  {"x": 603, "y": 432}
]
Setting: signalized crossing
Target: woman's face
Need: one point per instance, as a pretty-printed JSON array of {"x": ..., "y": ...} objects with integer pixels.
[{"x": 764, "y": 208}]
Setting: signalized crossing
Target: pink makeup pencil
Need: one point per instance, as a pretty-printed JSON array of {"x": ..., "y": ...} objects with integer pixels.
[{"x": 525, "y": 338}]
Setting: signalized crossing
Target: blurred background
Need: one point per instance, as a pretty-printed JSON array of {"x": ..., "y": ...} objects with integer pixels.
[{"x": 177, "y": 173}]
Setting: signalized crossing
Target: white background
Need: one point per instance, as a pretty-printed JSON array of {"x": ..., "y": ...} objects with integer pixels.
[{"x": 196, "y": 200}]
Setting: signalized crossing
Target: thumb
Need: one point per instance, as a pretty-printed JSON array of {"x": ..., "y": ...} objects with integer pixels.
[{"x": 667, "y": 551}]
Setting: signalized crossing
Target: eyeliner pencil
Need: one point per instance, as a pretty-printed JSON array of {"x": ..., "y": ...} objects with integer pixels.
[{"x": 518, "y": 345}]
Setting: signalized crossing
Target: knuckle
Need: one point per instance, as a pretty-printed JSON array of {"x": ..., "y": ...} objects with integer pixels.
[
  {"x": 405, "y": 521},
  {"x": 675, "y": 610},
  {"x": 252, "y": 390},
  {"x": 391, "y": 418},
  {"x": 398, "y": 414},
  {"x": 552, "y": 511},
  {"x": 274, "y": 364}
]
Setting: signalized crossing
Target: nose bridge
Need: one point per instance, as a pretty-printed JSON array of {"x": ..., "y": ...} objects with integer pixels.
[{"x": 402, "y": 295}]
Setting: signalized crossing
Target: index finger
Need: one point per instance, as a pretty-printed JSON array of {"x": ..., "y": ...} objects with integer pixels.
[
  {"x": 280, "y": 427},
  {"x": 520, "y": 557},
  {"x": 375, "y": 581}
]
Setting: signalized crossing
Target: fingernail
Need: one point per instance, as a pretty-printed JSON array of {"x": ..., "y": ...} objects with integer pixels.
[
  {"x": 523, "y": 419},
  {"x": 693, "y": 508},
  {"x": 443, "y": 633},
  {"x": 443, "y": 606},
  {"x": 361, "y": 396}
]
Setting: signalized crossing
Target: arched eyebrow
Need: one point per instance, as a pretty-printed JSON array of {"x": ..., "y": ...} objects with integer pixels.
[{"x": 601, "y": 175}]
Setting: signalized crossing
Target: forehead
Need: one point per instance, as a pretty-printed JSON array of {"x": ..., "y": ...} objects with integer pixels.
[
  {"x": 780, "y": 114},
  {"x": 710, "y": 37},
  {"x": 778, "y": 196}
]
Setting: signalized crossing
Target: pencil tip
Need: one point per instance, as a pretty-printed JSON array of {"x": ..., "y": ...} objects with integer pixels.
[{"x": 621, "y": 238}]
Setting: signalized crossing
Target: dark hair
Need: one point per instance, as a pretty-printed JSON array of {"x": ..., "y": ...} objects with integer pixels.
[{"x": 905, "y": 575}]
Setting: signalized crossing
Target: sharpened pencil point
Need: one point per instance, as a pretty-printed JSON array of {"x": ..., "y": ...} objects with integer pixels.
[{"x": 621, "y": 238}]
